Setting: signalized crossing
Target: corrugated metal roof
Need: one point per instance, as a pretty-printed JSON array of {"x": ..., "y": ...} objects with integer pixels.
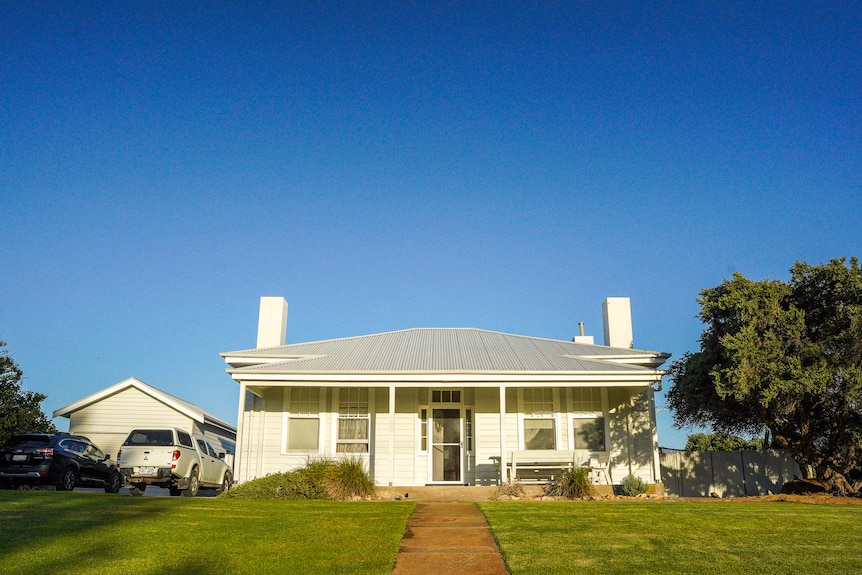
[{"x": 440, "y": 349}]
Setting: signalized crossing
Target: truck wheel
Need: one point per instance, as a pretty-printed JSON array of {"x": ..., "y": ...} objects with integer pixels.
[
  {"x": 114, "y": 483},
  {"x": 66, "y": 481},
  {"x": 137, "y": 489},
  {"x": 194, "y": 484},
  {"x": 225, "y": 484}
]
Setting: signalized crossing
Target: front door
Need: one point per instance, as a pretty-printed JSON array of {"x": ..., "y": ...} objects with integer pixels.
[{"x": 446, "y": 445}]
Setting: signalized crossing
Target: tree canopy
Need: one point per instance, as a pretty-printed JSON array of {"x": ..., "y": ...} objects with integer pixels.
[
  {"x": 20, "y": 411},
  {"x": 721, "y": 442},
  {"x": 782, "y": 356}
]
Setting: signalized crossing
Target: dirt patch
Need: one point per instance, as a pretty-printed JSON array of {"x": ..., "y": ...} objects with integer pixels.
[{"x": 815, "y": 499}]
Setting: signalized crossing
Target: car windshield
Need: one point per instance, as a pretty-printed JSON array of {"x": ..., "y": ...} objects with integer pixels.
[{"x": 158, "y": 437}]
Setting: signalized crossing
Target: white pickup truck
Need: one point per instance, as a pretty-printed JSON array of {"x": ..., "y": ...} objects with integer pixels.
[{"x": 172, "y": 458}]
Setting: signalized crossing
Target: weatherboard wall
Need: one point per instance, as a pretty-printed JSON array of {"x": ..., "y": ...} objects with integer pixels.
[
  {"x": 396, "y": 456},
  {"x": 108, "y": 422}
]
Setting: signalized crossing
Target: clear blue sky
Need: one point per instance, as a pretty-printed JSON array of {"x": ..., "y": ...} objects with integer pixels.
[{"x": 384, "y": 166}]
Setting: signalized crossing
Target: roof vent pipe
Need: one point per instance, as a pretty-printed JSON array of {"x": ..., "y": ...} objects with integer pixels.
[{"x": 583, "y": 338}]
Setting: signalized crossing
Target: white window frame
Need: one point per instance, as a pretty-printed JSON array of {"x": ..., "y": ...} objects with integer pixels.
[
  {"x": 553, "y": 415},
  {"x": 338, "y": 394},
  {"x": 589, "y": 414},
  {"x": 422, "y": 430},
  {"x": 289, "y": 412}
]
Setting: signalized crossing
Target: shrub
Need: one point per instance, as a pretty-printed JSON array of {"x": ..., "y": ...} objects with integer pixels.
[
  {"x": 573, "y": 483},
  {"x": 319, "y": 479},
  {"x": 633, "y": 486},
  {"x": 348, "y": 479},
  {"x": 304, "y": 483},
  {"x": 509, "y": 489}
]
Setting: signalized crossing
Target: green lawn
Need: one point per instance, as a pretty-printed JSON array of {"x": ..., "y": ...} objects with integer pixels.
[
  {"x": 541, "y": 538},
  {"x": 88, "y": 533}
]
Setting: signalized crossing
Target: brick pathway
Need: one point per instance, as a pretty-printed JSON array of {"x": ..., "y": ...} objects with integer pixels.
[{"x": 448, "y": 538}]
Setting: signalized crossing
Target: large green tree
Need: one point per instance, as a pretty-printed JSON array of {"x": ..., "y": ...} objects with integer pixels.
[
  {"x": 19, "y": 410},
  {"x": 721, "y": 442},
  {"x": 782, "y": 356}
]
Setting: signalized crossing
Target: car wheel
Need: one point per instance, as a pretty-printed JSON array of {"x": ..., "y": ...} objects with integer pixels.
[
  {"x": 137, "y": 489},
  {"x": 225, "y": 484},
  {"x": 66, "y": 481},
  {"x": 175, "y": 491},
  {"x": 194, "y": 484},
  {"x": 114, "y": 483}
]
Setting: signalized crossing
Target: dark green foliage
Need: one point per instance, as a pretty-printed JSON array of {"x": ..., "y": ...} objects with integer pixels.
[
  {"x": 722, "y": 442},
  {"x": 782, "y": 356},
  {"x": 633, "y": 486},
  {"x": 20, "y": 411},
  {"x": 319, "y": 479},
  {"x": 573, "y": 483}
]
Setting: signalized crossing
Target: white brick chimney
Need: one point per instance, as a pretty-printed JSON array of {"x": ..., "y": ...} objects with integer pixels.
[
  {"x": 617, "y": 316},
  {"x": 272, "y": 322}
]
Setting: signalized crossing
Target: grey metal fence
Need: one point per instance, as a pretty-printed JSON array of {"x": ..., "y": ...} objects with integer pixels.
[{"x": 726, "y": 473}]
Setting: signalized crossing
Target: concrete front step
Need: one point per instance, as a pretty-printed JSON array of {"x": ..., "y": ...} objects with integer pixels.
[{"x": 439, "y": 493}]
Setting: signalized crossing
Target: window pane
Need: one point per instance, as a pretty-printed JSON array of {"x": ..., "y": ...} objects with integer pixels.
[
  {"x": 351, "y": 448},
  {"x": 589, "y": 433},
  {"x": 423, "y": 430},
  {"x": 539, "y": 434},
  {"x": 352, "y": 428},
  {"x": 447, "y": 426},
  {"x": 302, "y": 433}
]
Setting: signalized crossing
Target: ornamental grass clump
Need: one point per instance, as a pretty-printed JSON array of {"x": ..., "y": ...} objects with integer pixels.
[
  {"x": 509, "y": 489},
  {"x": 348, "y": 479},
  {"x": 633, "y": 486},
  {"x": 573, "y": 483}
]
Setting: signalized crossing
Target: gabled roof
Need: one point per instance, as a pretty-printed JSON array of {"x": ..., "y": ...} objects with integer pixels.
[
  {"x": 189, "y": 409},
  {"x": 442, "y": 350}
]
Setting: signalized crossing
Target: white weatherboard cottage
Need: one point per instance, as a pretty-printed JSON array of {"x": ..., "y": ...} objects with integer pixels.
[{"x": 447, "y": 406}]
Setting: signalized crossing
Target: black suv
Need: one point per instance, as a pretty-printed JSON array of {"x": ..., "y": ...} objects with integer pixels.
[{"x": 59, "y": 459}]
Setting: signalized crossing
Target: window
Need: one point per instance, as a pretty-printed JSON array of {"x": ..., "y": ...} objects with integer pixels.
[
  {"x": 468, "y": 430},
  {"x": 303, "y": 424},
  {"x": 587, "y": 399},
  {"x": 539, "y": 434},
  {"x": 353, "y": 421},
  {"x": 423, "y": 430},
  {"x": 185, "y": 438},
  {"x": 539, "y": 401},
  {"x": 539, "y": 425},
  {"x": 589, "y": 433},
  {"x": 446, "y": 396}
]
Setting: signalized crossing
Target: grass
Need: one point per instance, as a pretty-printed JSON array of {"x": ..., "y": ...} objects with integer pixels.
[
  {"x": 86, "y": 533},
  {"x": 677, "y": 537},
  {"x": 92, "y": 533}
]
